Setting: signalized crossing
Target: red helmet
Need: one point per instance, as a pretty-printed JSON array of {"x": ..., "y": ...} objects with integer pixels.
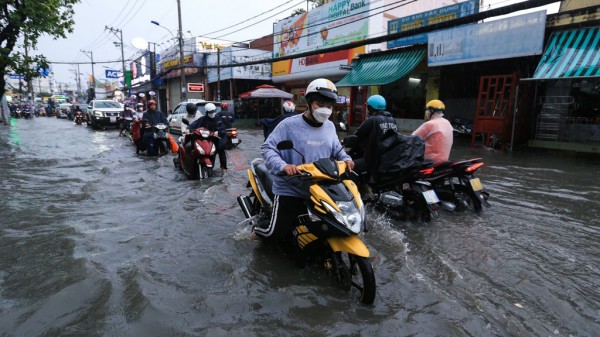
[
  {"x": 224, "y": 105},
  {"x": 151, "y": 102}
]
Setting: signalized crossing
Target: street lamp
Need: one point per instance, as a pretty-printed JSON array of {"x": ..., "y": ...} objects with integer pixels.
[{"x": 181, "y": 67}]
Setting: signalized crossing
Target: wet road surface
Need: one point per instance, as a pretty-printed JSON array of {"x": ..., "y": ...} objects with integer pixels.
[{"x": 96, "y": 241}]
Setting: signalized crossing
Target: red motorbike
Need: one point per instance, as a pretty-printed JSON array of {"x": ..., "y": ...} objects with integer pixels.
[{"x": 196, "y": 155}]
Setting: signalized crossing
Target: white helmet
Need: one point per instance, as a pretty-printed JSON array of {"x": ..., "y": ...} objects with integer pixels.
[
  {"x": 289, "y": 106},
  {"x": 210, "y": 108},
  {"x": 321, "y": 89}
]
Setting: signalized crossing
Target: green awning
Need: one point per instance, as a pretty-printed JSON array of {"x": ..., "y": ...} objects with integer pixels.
[
  {"x": 382, "y": 69},
  {"x": 571, "y": 53}
]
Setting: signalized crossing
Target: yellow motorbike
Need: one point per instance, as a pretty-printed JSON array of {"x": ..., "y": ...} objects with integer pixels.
[{"x": 328, "y": 233}]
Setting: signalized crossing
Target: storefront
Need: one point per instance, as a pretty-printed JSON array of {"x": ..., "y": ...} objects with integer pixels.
[{"x": 567, "y": 82}]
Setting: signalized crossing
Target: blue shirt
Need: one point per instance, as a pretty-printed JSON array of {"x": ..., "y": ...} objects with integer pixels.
[{"x": 312, "y": 142}]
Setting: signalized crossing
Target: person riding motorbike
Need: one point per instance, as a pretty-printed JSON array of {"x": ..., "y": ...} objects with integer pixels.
[
  {"x": 314, "y": 137},
  {"x": 139, "y": 111},
  {"x": 126, "y": 113},
  {"x": 227, "y": 116},
  {"x": 370, "y": 133},
  {"x": 269, "y": 124},
  {"x": 191, "y": 115},
  {"x": 214, "y": 124},
  {"x": 437, "y": 132},
  {"x": 152, "y": 116}
]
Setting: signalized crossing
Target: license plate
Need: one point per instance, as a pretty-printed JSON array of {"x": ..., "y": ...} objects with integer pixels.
[
  {"x": 476, "y": 184},
  {"x": 235, "y": 141},
  {"x": 431, "y": 197},
  {"x": 113, "y": 119}
]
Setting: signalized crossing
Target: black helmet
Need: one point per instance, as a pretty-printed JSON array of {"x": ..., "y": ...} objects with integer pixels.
[{"x": 191, "y": 108}]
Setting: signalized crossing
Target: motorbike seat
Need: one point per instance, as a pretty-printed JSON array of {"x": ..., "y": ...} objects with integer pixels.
[{"x": 265, "y": 177}]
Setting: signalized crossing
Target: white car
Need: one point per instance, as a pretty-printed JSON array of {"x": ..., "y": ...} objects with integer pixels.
[
  {"x": 103, "y": 113},
  {"x": 180, "y": 111}
]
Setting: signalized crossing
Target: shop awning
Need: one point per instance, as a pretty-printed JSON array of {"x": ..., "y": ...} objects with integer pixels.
[
  {"x": 382, "y": 69},
  {"x": 571, "y": 54}
]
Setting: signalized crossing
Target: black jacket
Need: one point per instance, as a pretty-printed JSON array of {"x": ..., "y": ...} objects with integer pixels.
[
  {"x": 155, "y": 117},
  {"x": 370, "y": 133},
  {"x": 211, "y": 124},
  {"x": 228, "y": 118}
]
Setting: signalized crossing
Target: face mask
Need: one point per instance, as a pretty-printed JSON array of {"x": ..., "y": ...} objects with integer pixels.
[
  {"x": 212, "y": 115},
  {"x": 321, "y": 114}
]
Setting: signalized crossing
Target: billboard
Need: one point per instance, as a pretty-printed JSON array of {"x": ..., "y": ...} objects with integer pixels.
[
  {"x": 231, "y": 55},
  {"x": 336, "y": 23},
  {"x": 140, "y": 70},
  {"x": 516, "y": 36}
]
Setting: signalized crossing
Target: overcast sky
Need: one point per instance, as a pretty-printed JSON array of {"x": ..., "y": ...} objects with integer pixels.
[
  {"x": 200, "y": 17},
  {"x": 210, "y": 18}
]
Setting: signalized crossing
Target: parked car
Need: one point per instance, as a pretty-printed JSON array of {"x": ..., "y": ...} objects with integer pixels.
[
  {"x": 180, "y": 111},
  {"x": 102, "y": 113},
  {"x": 62, "y": 110}
]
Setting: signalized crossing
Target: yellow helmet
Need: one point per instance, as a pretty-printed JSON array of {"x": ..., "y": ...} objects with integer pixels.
[{"x": 435, "y": 104}]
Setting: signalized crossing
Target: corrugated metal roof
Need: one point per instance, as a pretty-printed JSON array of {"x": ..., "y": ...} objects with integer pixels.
[{"x": 382, "y": 69}]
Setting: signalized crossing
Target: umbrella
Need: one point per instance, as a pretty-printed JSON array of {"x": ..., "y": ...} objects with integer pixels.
[{"x": 266, "y": 91}]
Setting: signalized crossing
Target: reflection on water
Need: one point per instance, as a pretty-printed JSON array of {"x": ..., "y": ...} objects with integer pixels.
[{"x": 96, "y": 241}]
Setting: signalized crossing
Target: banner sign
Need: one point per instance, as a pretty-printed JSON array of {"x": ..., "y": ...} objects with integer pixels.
[
  {"x": 333, "y": 24},
  {"x": 111, "y": 73},
  {"x": 195, "y": 87},
  {"x": 516, "y": 36},
  {"x": 434, "y": 16}
]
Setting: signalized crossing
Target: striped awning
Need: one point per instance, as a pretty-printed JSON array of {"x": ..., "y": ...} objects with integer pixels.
[
  {"x": 382, "y": 69},
  {"x": 570, "y": 54}
]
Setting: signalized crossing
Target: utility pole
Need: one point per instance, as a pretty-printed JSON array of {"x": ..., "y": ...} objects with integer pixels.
[
  {"x": 91, "y": 56},
  {"x": 29, "y": 86},
  {"x": 218, "y": 74},
  {"x": 120, "y": 37},
  {"x": 181, "y": 66}
]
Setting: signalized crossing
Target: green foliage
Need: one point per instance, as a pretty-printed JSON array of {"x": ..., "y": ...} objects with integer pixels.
[
  {"x": 25, "y": 21},
  {"x": 315, "y": 4}
]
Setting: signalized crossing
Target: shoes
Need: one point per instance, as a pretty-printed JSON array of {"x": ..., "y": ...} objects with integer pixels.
[
  {"x": 223, "y": 170},
  {"x": 253, "y": 235}
]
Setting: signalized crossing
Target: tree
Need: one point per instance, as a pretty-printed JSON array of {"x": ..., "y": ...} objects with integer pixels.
[
  {"x": 315, "y": 4},
  {"x": 30, "y": 19}
]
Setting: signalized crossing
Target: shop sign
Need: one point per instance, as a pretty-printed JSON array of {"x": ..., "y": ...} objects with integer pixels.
[
  {"x": 195, "y": 87},
  {"x": 516, "y": 36},
  {"x": 431, "y": 17}
]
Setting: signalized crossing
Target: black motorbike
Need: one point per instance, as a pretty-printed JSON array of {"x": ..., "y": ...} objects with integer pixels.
[
  {"x": 401, "y": 189},
  {"x": 157, "y": 143},
  {"x": 232, "y": 139},
  {"x": 462, "y": 127},
  {"x": 455, "y": 184}
]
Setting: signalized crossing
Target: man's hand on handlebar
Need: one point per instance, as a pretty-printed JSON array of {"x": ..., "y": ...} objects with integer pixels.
[
  {"x": 291, "y": 170},
  {"x": 350, "y": 164}
]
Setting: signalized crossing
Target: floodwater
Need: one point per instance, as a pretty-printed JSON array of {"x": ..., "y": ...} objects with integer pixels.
[{"x": 96, "y": 241}]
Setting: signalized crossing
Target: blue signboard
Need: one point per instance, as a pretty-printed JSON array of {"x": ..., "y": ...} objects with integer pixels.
[
  {"x": 16, "y": 76},
  {"x": 419, "y": 20},
  {"x": 515, "y": 36},
  {"x": 43, "y": 71},
  {"x": 111, "y": 73}
]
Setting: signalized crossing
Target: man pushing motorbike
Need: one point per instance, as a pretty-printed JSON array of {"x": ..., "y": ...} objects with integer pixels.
[
  {"x": 437, "y": 132},
  {"x": 152, "y": 116},
  {"x": 370, "y": 134},
  {"x": 314, "y": 137},
  {"x": 214, "y": 124}
]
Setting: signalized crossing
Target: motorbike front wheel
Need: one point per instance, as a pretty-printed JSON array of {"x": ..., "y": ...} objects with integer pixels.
[
  {"x": 356, "y": 272},
  {"x": 204, "y": 171}
]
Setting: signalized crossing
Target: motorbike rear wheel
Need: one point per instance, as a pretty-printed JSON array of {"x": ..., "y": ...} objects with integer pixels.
[
  {"x": 466, "y": 200},
  {"x": 352, "y": 271}
]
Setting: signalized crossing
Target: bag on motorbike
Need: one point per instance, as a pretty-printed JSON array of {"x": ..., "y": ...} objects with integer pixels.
[
  {"x": 399, "y": 152},
  {"x": 173, "y": 144}
]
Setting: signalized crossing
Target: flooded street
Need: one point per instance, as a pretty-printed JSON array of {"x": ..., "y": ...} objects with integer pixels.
[{"x": 96, "y": 241}]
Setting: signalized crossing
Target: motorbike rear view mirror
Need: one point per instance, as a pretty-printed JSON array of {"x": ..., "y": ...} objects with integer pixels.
[
  {"x": 289, "y": 145},
  {"x": 185, "y": 121},
  {"x": 285, "y": 145}
]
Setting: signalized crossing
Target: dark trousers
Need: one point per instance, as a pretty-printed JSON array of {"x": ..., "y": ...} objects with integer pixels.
[{"x": 283, "y": 219}]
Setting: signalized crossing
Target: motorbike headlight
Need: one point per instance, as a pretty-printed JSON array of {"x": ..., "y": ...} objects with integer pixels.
[
  {"x": 213, "y": 150},
  {"x": 98, "y": 113},
  {"x": 349, "y": 215},
  {"x": 200, "y": 149}
]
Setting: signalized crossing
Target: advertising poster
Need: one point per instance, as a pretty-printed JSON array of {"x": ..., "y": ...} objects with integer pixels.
[{"x": 332, "y": 24}]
